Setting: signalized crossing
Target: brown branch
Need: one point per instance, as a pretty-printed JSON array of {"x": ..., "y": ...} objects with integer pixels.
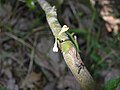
[{"x": 74, "y": 63}]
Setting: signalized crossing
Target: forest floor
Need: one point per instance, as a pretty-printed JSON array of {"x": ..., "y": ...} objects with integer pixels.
[{"x": 26, "y": 57}]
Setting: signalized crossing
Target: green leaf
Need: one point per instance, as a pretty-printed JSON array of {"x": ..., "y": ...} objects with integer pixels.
[
  {"x": 78, "y": 31},
  {"x": 111, "y": 84},
  {"x": 31, "y": 4}
]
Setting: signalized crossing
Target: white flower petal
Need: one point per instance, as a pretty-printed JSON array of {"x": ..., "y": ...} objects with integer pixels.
[
  {"x": 55, "y": 48},
  {"x": 64, "y": 29}
]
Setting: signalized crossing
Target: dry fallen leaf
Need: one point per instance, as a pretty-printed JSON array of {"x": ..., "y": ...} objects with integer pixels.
[
  {"x": 112, "y": 23},
  {"x": 31, "y": 80}
]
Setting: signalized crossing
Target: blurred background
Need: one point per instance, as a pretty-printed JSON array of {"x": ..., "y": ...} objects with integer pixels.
[{"x": 27, "y": 61}]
